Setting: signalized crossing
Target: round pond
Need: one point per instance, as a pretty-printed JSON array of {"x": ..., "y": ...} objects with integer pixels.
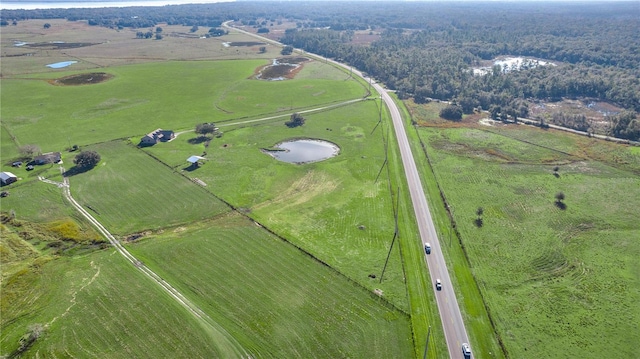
[{"x": 303, "y": 151}]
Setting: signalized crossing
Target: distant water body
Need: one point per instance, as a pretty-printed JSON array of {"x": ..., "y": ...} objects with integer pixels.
[{"x": 32, "y": 5}]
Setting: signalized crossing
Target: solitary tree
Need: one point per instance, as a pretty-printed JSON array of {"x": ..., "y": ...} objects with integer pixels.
[
  {"x": 287, "y": 50},
  {"x": 29, "y": 150},
  {"x": 495, "y": 112},
  {"x": 86, "y": 160},
  {"x": 478, "y": 221},
  {"x": 206, "y": 128},
  {"x": 559, "y": 200},
  {"x": 295, "y": 121},
  {"x": 47, "y": 25}
]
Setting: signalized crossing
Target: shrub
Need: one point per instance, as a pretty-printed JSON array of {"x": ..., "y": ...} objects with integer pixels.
[
  {"x": 295, "y": 121},
  {"x": 451, "y": 112}
]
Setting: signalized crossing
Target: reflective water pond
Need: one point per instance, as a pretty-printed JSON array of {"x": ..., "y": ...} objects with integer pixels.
[
  {"x": 508, "y": 64},
  {"x": 59, "y": 65},
  {"x": 303, "y": 151}
]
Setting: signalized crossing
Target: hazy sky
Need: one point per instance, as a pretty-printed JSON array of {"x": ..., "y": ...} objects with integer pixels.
[{"x": 62, "y": 4}]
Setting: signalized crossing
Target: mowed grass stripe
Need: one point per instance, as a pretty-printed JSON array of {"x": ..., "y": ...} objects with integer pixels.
[
  {"x": 272, "y": 293},
  {"x": 130, "y": 191}
]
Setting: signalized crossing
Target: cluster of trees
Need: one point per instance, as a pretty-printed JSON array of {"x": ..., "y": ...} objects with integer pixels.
[
  {"x": 287, "y": 50},
  {"x": 426, "y": 70},
  {"x": 216, "y": 31},
  {"x": 451, "y": 112},
  {"x": 144, "y": 35},
  {"x": 625, "y": 125},
  {"x": 86, "y": 160},
  {"x": 576, "y": 121}
]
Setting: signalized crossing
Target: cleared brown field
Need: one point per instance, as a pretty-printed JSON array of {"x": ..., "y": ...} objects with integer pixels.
[{"x": 96, "y": 47}]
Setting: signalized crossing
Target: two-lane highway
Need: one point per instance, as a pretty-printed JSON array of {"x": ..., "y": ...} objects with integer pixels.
[{"x": 452, "y": 323}]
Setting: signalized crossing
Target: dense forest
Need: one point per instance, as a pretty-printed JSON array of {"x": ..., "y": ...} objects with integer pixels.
[{"x": 426, "y": 50}]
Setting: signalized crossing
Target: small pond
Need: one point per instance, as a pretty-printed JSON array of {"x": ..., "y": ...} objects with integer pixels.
[
  {"x": 508, "y": 64},
  {"x": 303, "y": 151},
  {"x": 59, "y": 65}
]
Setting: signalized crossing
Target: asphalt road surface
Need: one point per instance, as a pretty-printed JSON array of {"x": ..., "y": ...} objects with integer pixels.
[
  {"x": 454, "y": 330},
  {"x": 452, "y": 323}
]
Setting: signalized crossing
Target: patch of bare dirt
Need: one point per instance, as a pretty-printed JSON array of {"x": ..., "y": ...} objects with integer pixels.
[
  {"x": 82, "y": 79},
  {"x": 365, "y": 37},
  {"x": 57, "y": 45},
  {"x": 246, "y": 43},
  {"x": 281, "y": 69}
]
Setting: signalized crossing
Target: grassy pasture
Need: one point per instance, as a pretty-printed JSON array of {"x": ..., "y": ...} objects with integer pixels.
[
  {"x": 334, "y": 209},
  {"x": 138, "y": 193},
  {"x": 280, "y": 302},
  {"x": 33, "y": 200},
  {"x": 97, "y": 305},
  {"x": 141, "y": 98},
  {"x": 553, "y": 279},
  {"x": 7, "y": 147}
]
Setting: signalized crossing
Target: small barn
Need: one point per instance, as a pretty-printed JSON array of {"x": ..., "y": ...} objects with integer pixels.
[
  {"x": 156, "y": 136},
  {"x": 50, "y": 157},
  {"x": 194, "y": 160},
  {"x": 7, "y": 178}
]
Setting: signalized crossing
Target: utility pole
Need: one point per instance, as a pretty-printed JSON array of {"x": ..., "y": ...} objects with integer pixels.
[
  {"x": 395, "y": 234},
  {"x": 451, "y": 229},
  {"x": 426, "y": 347}
]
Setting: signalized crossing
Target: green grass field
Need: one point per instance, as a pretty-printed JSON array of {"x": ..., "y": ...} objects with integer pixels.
[
  {"x": 280, "y": 302},
  {"x": 334, "y": 209},
  {"x": 96, "y": 305},
  {"x": 143, "y": 97},
  {"x": 552, "y": 278},
  {"x": 328, "y": 309},
  {"x": 138, "y": 193}
]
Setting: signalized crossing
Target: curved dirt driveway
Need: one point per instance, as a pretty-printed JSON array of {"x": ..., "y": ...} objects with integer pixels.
[{"x": 225, "y": 342}]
